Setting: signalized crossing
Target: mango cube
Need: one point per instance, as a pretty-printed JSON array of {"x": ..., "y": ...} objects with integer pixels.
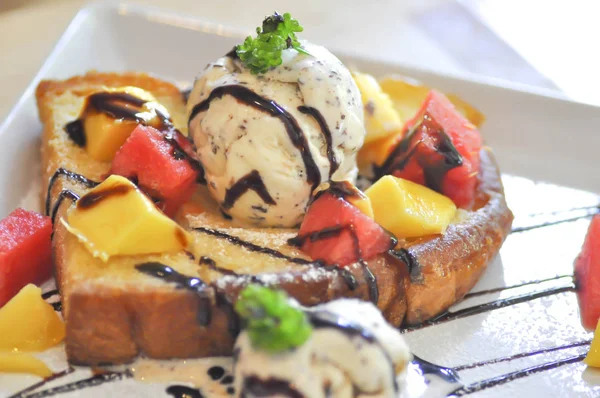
[
  {"x": 409, "y": 210},
  {"x": 19, "y": 362},
  {"x": 593, "y": 356},
  {"x": 381, "y": 119},
  {"x": 116, "y": 218},
  {"x": 28, "y": 323},
  {"x": 105, "y": 135},
  {"x": 363, "y": 203}
]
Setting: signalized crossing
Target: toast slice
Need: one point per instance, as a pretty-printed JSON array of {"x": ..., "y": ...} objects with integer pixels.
[{"x": 119, "y": 309}]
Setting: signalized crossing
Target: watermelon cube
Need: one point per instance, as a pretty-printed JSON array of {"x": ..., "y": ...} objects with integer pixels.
[
  {"x": 25, "y": 251},
  {"x": 337, "y": 232},
  {"x": 587, "y": 276},
  {"x": 159, "y": 164},
  {"x": 440, "y": 151}
]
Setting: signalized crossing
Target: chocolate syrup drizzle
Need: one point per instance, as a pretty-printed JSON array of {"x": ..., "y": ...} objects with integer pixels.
[
  {"x": 494, "y": 305},
  {"x": 92, "y": 199},
  {"x": 349, "y": 279},
  {"x": 499, "y": 380},
  {"x": 334, "y": 231},
  {"x": 521, "y": 355},
  {"x": 334, "y": 164},
  {"x": 270, "y": 107},
  {"x": 565, "y": 216},
  {"x": 74, "y": 386},
  {"x": 406, "y": 149},
  {"x": 118, "y": 106},
  {"x": 184, "y": 392},
  {"x": 35, "y": 386},
  {"x": 78, "y": 178},
  {"x": 196, "y": 285},
  {"x": 65, "y": 193},
  {"x": 255, "y": 387},
  {"x": 251, "y": 181},
  {"x": 501, "y": 289}
]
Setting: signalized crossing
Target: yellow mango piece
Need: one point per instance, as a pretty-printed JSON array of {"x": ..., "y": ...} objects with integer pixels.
[
  {"x": 381, "y": 119},
  {"x": 18, "y": 362},
  {"x": 407, "y": 95},
  {"x": 28, "y": 323},
  {"x": 105, "y": 134},
  {"x": 409, "y": 210},
  {"x": 116, "y": 218},
  {"x": 363, "y": 203},
  {"x": 593, "y": 355},
  {"x": 376, "y": 152}
]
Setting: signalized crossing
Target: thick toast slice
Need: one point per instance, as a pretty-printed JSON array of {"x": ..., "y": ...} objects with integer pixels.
[{"x": 116, "y": 310}]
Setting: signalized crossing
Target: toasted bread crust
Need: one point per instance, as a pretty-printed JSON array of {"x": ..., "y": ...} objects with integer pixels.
[{"x": 107, "y": 323}]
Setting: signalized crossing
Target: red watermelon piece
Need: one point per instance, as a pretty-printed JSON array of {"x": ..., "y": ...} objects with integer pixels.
[
  {"x": 336, "y": 232},
  {"x": 587, "y": 276},
  {"x": 441, "y": 151},
  {"x": 25, "y": 251},
  {"x": 159, "y": 164}
]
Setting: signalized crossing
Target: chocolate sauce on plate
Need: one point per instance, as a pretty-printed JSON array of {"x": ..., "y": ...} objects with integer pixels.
[
  {"x": 255, "y": 387},
  {"x": 270, "y": 107},
  {"x": 184, "y": 392},
  {"x": 494, "y": 305},
  {"x": 503, "y": 379}
]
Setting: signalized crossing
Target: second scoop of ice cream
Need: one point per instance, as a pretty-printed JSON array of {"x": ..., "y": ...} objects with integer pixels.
[{"x": 266, "y": 141}]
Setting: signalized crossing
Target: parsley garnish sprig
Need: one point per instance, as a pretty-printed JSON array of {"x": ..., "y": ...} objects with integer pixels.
[{"x": 263, "y": 52}]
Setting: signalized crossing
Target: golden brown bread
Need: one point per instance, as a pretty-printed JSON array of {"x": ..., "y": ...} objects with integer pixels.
[{"x": 114, "y": 312}]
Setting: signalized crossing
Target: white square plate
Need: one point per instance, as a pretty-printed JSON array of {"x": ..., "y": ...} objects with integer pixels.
[{"x": 536, "y": 135}]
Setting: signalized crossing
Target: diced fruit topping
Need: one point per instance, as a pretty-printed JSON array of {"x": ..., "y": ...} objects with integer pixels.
[
  {"x": 409, "y": 210},
  {"x": 19, "y": 362},
  {"x": 158, "y": 162},
  {"x": 440, "y": 151},
  {"x": 381, "y": 119},
  {"x": 587, "y": 275},
  {"x": 116, "y": 218},
  {"x": 272, "y": 323},
  {"x": 28, "y": 323},
  {"x": 407, "y": 95},
  {"x": 593, "y": 356},
  {"x": 110, "y": 116},
  {"x": 348, "y": 191},
  {"x": 337, "y": 232},
  {"x": 25, "y": 251}
]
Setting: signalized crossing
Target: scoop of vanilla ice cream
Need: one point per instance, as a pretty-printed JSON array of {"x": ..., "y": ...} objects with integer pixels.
[
  {"x": 367, "y": 361},
  {"x": 270, "y": 140}
]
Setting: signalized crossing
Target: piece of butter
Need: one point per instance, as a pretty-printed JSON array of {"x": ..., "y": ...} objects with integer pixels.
[
  {"x": 116, "y": 218},
  {"x": 28, "y": 323}
]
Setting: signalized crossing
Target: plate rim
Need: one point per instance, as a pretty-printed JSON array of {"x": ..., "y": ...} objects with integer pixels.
[{"x": 164, "y": 16}]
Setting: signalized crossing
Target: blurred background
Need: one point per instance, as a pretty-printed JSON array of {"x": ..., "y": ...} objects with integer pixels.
[{"x": 550, "y": 44}]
